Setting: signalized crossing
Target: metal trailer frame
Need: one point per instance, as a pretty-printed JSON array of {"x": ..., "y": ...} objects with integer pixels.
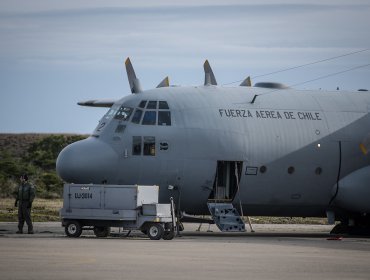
[{"x": 100, "y": 207}]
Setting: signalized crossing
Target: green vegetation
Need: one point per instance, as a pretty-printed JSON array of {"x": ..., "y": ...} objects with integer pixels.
[
  {"x": 43, "y": 210},
  {"x": 35, "y": 155}
]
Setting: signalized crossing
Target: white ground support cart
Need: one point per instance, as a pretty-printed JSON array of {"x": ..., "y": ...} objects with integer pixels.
[{"x": 131, "y": 207}]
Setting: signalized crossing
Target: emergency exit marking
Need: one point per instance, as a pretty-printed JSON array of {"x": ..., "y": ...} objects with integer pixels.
[{"x": 251, "y": 170}]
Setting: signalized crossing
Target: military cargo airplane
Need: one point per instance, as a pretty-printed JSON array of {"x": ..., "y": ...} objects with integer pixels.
[{"x": 267, "y": 150}]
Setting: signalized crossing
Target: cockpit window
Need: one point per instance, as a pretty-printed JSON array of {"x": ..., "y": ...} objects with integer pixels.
[
  {"x": 164, "y": 118},
  {"x": 152, "y": 105},
  {"x": 149, "y": 146},
  {"x": 163, "y": 105},
  {"x": 147, "y": 115},
  {"x": 123, "y": 113},
  {"x": 136, "y": 145},
  {"x": 137, "y": 116},
  {"x": 142, "y": 104},
  {"x": 111, "y": 112},
  {"x": 150, "y": 118}
]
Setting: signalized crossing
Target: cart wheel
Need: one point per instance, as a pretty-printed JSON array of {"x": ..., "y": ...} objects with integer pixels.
[
  {"x": 101, "y": 231},
  {"x": 169, "y": 235},
  {"x": 155, "y": 231},
  {"x": 73, "y": 229}
]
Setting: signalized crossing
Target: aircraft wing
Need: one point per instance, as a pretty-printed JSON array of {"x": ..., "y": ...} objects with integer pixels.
[{"x": 98, "y": 103}]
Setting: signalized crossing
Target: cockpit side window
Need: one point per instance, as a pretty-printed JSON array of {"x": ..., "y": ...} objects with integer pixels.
[
  {"x": 137, "y": 116},
  {"x": 136, "y": 145},
  {"x": 150, "y": 118},
  {"x": 111, "y": 112},
  {"x": 149, "y": 146},
  {"x": 123, "y": 113}
]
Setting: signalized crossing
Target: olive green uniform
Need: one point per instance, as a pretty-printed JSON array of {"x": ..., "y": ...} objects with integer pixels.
[{"x": 25, "y": 196}]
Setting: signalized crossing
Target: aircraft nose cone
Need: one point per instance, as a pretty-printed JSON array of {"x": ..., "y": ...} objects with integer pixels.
[{"x": 87, "y": 161}]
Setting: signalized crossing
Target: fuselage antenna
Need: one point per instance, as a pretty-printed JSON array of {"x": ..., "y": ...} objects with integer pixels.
[{"x": 254, "y": 98}]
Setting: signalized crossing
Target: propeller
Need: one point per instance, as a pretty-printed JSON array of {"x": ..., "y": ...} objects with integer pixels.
[
  {"x": 247, "y": 82},
  {"x": 133, "y": 81},
  {"x": 165, "y": 83},
  {"x": 209, "y": 77}
]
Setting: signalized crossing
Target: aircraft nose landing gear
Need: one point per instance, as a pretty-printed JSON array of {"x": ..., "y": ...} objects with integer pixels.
[{"x": 353, "y": 226}]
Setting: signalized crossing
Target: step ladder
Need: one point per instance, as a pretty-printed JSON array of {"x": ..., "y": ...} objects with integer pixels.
[{"x": 226, "y": 217}]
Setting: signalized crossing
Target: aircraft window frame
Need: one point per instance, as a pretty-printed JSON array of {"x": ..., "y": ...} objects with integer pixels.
[
  {"x": 163, "y": 105},
  {"x": 148, "y": 118},
  {"x": 111, "y": 112},
  {"x": 142, "y": 104},
  {"x": 149, "y": 146},
  {"x": 136, "y": 119},
  {"x": 136, "y": 145},
  {"x": 124, "y": 113},
  {"x": 164, "y": 118},
  {"x": 152, "y": 105}
]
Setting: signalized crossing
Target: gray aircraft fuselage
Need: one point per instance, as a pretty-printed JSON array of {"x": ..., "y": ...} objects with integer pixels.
[{"x": 292, "y": 149}]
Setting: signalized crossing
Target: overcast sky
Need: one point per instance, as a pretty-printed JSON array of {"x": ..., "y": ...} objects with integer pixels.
[{"x": 56, "y": 53}]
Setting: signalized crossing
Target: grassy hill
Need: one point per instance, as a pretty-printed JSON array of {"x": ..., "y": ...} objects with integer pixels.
[
  {"x": 18, "y": 144},
  {"x": 34, "y": 154}
]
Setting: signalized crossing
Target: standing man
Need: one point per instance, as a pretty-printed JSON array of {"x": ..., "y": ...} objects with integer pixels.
[{"x": 25, "y": 197}]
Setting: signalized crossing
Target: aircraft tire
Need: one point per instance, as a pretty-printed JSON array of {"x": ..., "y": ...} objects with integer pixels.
[
  {"x": 155, "y": 231},
  {"x": 101, "y": 231},
  {"x": 73, "y": 228}
]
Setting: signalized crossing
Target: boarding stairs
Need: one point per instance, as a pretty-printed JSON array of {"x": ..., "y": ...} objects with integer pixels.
[{"x": 226, "y": 217}]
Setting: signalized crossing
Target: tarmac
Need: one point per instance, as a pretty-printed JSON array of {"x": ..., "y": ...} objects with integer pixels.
[{"x": 271, "y": 252}]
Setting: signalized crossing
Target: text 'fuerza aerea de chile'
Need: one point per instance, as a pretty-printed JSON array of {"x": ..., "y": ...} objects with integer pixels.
[{"x": 270, "y": 114}]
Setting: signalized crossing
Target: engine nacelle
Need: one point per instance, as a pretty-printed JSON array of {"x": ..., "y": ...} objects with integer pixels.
[{"x": 354, "y": 191}]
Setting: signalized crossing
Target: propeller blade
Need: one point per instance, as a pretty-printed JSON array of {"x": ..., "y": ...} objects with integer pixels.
[
  {"x": 98, "y": 103},
  {"x": 165, "y": 83},
  {"x": 209, "y": 77},
  {"x": 247, "y": 82},
  {"x": 133, "y": 81}
]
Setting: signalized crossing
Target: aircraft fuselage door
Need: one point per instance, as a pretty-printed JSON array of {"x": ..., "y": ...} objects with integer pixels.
[{"x": 226, "y": 181}]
